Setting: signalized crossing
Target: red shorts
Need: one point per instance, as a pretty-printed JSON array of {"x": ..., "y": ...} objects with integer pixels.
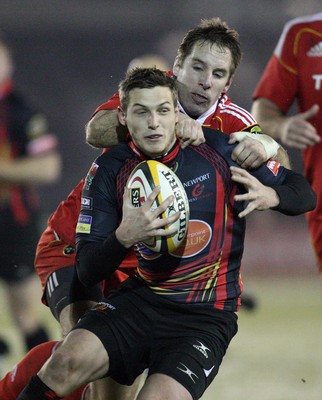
[{"x": 53, "y": 254}]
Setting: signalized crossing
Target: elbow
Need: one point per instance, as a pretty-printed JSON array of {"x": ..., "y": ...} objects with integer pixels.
[
  {"x": 55, "y": 167},
  {"x": 93, "y": 134}
]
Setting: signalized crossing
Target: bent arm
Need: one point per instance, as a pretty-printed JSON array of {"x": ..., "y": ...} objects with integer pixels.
[
  {"x": 104, "y": 129},
  {"x": 98, "y": 260},
  {"x": 37, "y": 170},
  {"x": 292, "y": 197},
  {"x": 269, "y": 116},
  {"x": 295, "y": 131}
]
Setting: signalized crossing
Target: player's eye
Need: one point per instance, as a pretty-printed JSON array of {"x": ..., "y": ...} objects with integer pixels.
[
  {"x": 140, "y": 112},
  {"x": 164, "y": 110}
]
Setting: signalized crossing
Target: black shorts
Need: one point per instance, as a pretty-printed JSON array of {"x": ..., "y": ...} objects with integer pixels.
[
  {"x": 64, "y": 288},
  {"x": 140, "y": 330},
  {"x": 18, "y": 246}
]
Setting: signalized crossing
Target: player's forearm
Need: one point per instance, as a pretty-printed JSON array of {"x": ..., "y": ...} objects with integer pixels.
[
  {"x": 295, "y": 194},
  {"x": 37, "y": 170},
  {"x": 104, "y": 130},
  {"x": 269, "y": 116},
  {"x": 97, "y": 261},
  {"x": 283, "y": 158}
]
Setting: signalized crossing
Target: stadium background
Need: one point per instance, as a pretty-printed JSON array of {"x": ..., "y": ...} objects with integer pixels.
[{"x": 70, "y": 56}]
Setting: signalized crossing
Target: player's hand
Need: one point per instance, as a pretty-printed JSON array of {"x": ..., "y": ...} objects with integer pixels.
[
  {"x": 297, "y": 132},
  {"x": 142, "y": 223},
  {"x": 249, "y": 153},
  {"x": 258, "y": 196},
  {"x": 189, "y": 131}
]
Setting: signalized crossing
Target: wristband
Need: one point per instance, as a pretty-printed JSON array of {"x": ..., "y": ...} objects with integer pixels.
[{"x": 270, "y": 145}]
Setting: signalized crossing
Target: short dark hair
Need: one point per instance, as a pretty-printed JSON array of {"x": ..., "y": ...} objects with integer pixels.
[
  {"x": 213, "y": 31},
  {"x": 145, "y": 78}
]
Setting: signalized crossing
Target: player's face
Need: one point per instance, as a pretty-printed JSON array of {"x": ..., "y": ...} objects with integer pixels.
[
  {"x": 151, "y": 117},
  {"x": 202, "y": 77}
]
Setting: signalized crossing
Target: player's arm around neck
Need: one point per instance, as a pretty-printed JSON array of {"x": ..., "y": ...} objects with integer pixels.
[{"x": 104, "y": 129}]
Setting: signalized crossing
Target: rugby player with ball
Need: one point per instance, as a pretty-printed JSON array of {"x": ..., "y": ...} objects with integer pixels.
[{"x": 177, "y": 315}]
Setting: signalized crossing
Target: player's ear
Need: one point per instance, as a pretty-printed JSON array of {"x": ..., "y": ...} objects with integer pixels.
[
  {"x": 121, "y": 116},
  {"x": 177, "y": 112},
  {"x": 176, "y": 66},
  {"x": 229, "y": 82}
]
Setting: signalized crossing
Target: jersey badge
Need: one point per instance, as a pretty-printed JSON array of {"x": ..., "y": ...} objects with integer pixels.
[
  {"x": 90, "y": 176},
  {"x": 86, "y": 203},
  {"x": 84, "y": 224},
  {"x": 69, "y": 250},
  {"x": 197, "y": 239},
  {"x": 273, "y": 166}
]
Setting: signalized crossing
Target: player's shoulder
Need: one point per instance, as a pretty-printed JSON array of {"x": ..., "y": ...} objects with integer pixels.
[
  {"x": 295, "y": 26},
  {"x": 304, "y": 20},
  {"x": 228, "y": 109},
  {"x": 115, "y": 155},
  {"x": 216, "y": 139}
]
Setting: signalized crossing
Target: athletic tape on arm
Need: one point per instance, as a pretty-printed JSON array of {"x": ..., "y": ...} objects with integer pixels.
[{"x": 270, "y": 145}]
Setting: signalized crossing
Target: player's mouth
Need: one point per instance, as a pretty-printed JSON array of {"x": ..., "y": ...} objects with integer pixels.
[
  {"x": 154, "y": 137},
  {"x": 199, "y": 99}
]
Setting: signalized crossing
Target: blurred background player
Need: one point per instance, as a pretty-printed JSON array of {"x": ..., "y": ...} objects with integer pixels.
[
  {"x": 28, "y": 157},
  {"x": 294, "y": 74},
  {"x": 149, "y": 60}
]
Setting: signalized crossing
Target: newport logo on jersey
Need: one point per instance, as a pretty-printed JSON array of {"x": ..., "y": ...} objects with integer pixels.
[
  {"x": 198, "y": 189},
  {"x": 197, "y": 180},
  {"x": 86, "y": 203},
  {"x": 84, "y": 224}
]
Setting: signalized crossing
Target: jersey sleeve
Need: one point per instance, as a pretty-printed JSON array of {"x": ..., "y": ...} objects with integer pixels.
[
  {"x": 279, "y": 82},
  {"x": 110, "y": 104},
  {"x": 98, "y": 251},
  {"x": 294, "y": 191}
]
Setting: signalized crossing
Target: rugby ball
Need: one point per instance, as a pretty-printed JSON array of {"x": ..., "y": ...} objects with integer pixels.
[{"x": 143, "y": 179}]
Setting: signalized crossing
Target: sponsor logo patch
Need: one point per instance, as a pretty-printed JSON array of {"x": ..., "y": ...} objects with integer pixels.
[
  {"x": 273, "y": 166},
  {"x": 86, "y": 203},
  {"x": 90, "y": 176},
  {"x": 84, "y": 224},
  {"x": 198, "y": 237},
  {"x": 69, "y": 250}
]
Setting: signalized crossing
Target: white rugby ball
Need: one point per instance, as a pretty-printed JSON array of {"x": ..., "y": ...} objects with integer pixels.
[{"x": 143, "y": 179}]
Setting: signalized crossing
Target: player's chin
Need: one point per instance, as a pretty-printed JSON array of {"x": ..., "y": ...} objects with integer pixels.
[{"x": 155, "y": 149}]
